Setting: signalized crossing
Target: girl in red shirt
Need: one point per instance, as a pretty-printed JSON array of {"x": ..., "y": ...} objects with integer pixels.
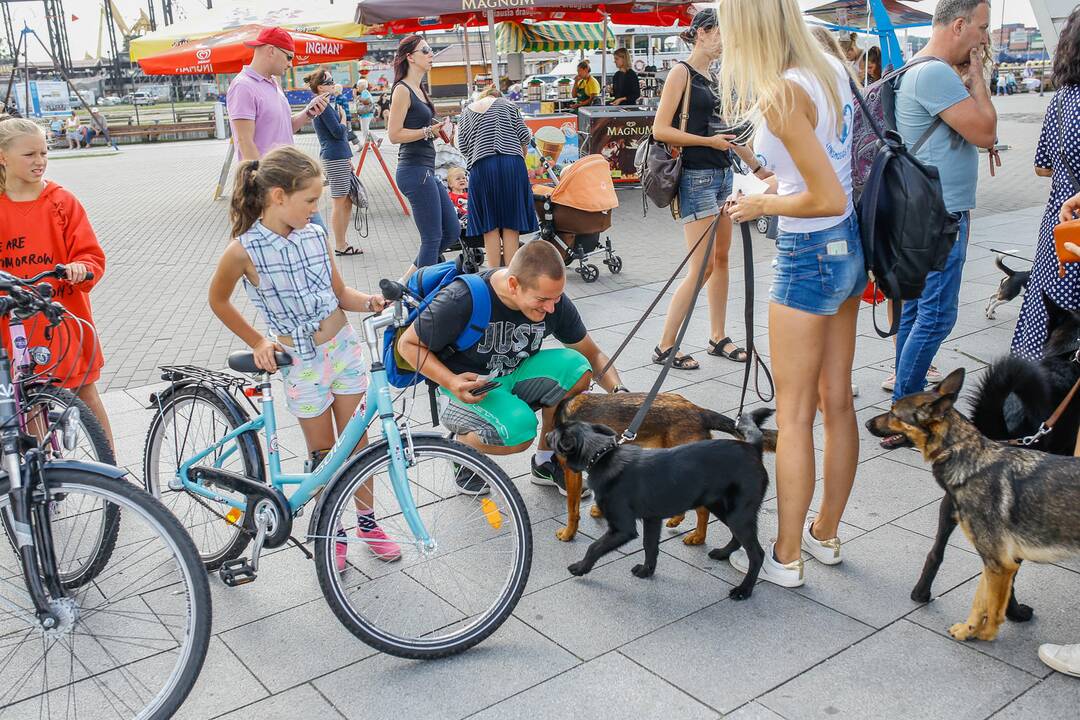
[{"x": 42, "y": 225}]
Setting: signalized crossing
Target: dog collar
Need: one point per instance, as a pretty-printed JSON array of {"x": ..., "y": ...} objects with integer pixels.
[{"x": 600, "y": 454}]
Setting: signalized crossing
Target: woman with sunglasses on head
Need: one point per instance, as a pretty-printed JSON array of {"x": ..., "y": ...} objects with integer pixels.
[
  {"x": 800, "y": 99},
  {"x": 332, "y": 129},
  {"x": 413, "y": 127}
]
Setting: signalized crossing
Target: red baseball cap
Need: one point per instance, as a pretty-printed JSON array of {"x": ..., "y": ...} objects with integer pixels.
[{"x": 274, "y": 36}]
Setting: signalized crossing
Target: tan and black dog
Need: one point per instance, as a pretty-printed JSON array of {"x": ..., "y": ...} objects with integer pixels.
[
  {"x": 1014, "y": 504},
  {"x": 671, "y": 421}
]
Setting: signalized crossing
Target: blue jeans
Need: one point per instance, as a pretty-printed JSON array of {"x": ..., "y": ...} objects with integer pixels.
[
  {"x": 432, "y": 211},
  {"x": 317, "y": 219},
  {"x": 926, "y": 322}
]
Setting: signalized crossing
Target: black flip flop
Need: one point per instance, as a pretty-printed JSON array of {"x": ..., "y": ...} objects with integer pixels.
[
  {"x": 681, "y": 362},
  {"x": 348, "y": 251},
  {"x": 716, "y": 349}
]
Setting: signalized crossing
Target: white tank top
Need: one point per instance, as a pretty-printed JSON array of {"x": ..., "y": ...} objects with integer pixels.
[{"x": 772, "y": 154}]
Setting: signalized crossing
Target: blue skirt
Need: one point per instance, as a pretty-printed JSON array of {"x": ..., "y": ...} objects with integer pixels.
[{"x": 500, "y": 195}]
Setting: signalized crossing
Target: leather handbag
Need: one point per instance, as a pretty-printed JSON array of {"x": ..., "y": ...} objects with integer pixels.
[{"x": 660, "y": 166}]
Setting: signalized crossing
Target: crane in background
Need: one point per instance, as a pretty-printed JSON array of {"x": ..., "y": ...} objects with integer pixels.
[{"x": 140, "y": 27}]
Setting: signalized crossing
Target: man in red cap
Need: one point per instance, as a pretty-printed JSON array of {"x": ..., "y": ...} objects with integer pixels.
[{"x": 259, "y": 113}]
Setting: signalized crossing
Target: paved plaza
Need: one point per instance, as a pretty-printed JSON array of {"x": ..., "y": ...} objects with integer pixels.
[{"x": 849, "y": 644}]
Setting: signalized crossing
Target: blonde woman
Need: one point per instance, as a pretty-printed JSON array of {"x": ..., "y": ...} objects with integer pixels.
[{"x": 779, "y": 76}]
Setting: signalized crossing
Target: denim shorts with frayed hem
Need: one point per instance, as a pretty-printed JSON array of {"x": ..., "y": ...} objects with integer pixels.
[
  {"x": 817, "y": 272},
  {"x": 703, "y": 192}
]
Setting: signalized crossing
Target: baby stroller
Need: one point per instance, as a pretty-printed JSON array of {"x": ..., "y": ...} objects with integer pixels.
[{"x": 576, "y": 211}]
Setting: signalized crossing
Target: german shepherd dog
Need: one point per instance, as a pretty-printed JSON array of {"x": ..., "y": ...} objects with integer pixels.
[
  {"x": 632, "y": 483},
  {"x": 1013, "y": 504},
  {"x": 1012, "y": 400},
  {"x": 1014, "y": 283},
  {"x": 672, "y": 420}
]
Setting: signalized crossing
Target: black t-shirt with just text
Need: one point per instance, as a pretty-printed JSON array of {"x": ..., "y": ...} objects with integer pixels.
[{"x": 509, "y": 339}]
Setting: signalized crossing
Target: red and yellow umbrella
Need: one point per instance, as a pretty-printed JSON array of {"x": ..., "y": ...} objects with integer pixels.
[{"x": 226, "y": 52}]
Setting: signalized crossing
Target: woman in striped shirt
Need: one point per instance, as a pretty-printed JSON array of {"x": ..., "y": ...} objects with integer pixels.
[{"x": 493, "y": 137}]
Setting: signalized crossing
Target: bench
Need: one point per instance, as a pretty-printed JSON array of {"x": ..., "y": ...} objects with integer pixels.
[
  {"x": 182, "y": 115},
  {"x": 153, "y": 133}
]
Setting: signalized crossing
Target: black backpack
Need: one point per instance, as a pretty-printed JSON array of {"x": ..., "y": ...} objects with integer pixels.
[{"x": 906, "y": 231}]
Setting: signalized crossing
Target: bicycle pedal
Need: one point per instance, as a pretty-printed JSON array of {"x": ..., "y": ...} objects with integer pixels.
[{"x": 236, "y": 572}]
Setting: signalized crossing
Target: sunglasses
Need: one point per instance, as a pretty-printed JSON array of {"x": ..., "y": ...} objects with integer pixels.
[
  {"x": 425, "y": 50},
  {"x": 288, "y": 55}
]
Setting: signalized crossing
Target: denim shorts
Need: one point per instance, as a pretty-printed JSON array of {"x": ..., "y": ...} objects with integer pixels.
[
  {"x": 817, "y": 272},
  {"x": 703, "y": 192}
]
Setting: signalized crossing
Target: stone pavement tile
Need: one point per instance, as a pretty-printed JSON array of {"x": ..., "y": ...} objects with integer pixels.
[
  {"x": 590, "y": 528},
  {"x": 874, "y": 582},
  {"x": 551, "y": 555},
  {"x": 869, "y": 446},
  {"x": 515, "y": 658},
  {"x": 223, "y": 685},
  {"x": 301, "y": 701},
  {"x": 281, "y": 658},
  {"x": 717, "y": 395},
  {"x": 286, "y": 580},
  {"x": 885, "y": 490},
  {"x": 608, "y": 607},
  {"x": 609, "y": 687},
  {"x": 639, "y": 352},
  {"x": 1058, "y": 696},
  {"x": 904, "y": 671},
  {"x": 924, "y": 521},
  {"x": 706, "y": 653},
  {"x": 1050, "y": 590},
  {"x": 643, "y": 378},
  {"x": 753, "y": 711}
]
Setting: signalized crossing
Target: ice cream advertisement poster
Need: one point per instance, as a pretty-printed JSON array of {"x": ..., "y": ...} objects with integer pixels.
[{"x": 556, "y": 137}]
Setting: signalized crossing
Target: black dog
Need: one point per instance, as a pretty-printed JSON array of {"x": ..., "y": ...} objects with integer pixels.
[
  {"x": 630, "y": 482},
  {"x": 1013, "y": 399},
  {"x": 1014, "y": 282}
]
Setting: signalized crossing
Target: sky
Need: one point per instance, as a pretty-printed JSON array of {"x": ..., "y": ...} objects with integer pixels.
[{"x": 83, "y": 33}]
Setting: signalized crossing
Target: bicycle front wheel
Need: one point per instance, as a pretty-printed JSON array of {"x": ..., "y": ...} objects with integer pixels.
[
  {"x": 128, "y": 645},
  {"x": 420, "y": 601}
]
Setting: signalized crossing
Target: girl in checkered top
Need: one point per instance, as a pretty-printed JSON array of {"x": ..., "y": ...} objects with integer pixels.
[{"x": 286, "y": 264}]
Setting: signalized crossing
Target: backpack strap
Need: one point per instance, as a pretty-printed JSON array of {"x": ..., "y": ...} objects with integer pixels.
[{"x": 480, "y": 315}]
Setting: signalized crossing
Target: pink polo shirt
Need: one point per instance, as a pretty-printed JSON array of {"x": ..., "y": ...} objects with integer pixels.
[{"x": 254, "y": 97}]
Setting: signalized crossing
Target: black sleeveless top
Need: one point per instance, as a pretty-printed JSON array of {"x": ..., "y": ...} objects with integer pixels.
[
  {"x": 703, "y": 120},
  {"x": 419, "y": 116}
]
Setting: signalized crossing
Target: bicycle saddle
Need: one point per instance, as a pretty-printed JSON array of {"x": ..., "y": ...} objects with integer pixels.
[{"x": 244, "y": 361}]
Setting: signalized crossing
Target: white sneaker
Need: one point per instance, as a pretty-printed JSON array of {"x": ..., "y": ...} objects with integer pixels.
[
  {"x": 1063, "y": 658},
  {"x": 889, "y": 383},
  {"x": 854, "y": 390},
  {"x": 789, "y": 575},
  {"x": 826, "y": 552}
]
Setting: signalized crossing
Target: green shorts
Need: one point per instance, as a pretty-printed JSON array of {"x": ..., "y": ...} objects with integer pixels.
[{"x": 507, "y": 414}]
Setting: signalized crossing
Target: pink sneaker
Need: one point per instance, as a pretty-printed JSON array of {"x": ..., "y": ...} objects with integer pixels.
[
  {"x": 380, "y": 545},
  {"x": 341, "y": 551}
]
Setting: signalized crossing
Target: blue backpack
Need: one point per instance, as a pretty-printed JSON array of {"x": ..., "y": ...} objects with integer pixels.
[{"x": 425, "y": 284}]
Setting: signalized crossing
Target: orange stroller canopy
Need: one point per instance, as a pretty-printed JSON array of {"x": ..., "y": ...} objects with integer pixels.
[{"x": 586, "y": 185}]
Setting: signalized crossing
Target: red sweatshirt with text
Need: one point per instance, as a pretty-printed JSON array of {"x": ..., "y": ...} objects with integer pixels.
[{"x": 36, "y": 236}]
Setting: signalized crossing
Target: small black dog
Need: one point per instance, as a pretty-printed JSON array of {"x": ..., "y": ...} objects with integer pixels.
[
  {"x": 1014, "y": 282},
  {"x": 630, "y": 482}
]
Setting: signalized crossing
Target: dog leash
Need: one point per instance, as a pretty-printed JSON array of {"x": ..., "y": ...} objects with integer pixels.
[
  {"x": 630, "y": 434},
  {"x": 1048, "y": 426},
  {"x": 659, "y": 296},
  {"x": 752, "y": 356},
  {"x": 1009, "y": 254}
]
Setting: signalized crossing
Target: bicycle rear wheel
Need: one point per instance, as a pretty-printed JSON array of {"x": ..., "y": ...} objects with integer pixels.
[
  {"x": 188, "y": 422},
  {"x": 128, "y": 645},
  {"x": 431, "y": 601}
]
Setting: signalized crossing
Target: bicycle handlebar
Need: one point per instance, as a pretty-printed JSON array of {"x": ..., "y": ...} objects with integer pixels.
[{"x": 24, "y": 299}]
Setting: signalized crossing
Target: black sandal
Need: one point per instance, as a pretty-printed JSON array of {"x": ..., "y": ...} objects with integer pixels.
[
  {"x": 681, "y": 362},
  {"x": 716, "y": 349},
  {"x": 350, "y": 250},
  {"x": 894, "y": 442}
]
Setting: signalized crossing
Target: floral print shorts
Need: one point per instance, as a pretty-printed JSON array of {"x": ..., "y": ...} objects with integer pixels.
[{"x": 338, "y": 368}]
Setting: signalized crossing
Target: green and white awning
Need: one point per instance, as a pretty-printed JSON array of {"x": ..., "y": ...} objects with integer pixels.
[{"x": 512, "y": 37}]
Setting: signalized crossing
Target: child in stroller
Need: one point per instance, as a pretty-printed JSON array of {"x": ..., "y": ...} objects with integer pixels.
[
  {"x": 457, "y": 182},
  {"x": 576, "y": 211}
]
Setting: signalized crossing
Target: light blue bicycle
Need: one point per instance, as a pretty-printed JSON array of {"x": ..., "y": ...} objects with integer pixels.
[{"x": 464, "y": 560}]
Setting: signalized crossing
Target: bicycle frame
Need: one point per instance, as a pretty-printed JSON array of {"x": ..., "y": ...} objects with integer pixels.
[{"x": 307, "y": 485}]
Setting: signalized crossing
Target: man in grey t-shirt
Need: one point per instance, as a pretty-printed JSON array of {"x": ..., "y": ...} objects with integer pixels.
[{"x": 955, "y": 91}]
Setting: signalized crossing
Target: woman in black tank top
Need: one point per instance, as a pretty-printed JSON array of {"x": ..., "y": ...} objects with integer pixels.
[
  {"x": 413, "y": 127},
  {"x": 703, "y": 188}
]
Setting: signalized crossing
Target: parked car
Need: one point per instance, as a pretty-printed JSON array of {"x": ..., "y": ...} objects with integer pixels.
[
  {"x": 143, "y": 98},
  {"x": 111, "y": 100}
]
